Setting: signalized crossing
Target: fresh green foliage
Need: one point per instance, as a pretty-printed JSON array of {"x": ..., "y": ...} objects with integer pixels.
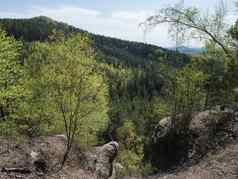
[
  {"x": 214, "y": 64},
  {"x": 11, "y": 71},
  {"x": 190, "y": 23},
  {"x": 111, "y": 89},
  {"x": 132, "y": 154},
  {"x": 189, "y": 93},
  {"x": 234, "y": 31},
  {"x": 65, "y": 91},
  {"x": 11, "y": 76}
]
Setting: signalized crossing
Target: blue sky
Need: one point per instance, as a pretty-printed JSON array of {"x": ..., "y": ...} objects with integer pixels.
[{"x": 116, "y": 18}]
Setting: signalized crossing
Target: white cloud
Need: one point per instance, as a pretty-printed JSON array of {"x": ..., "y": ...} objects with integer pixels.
[
  {"x": 13, "y": 15},
  {"x": 131, "y": 15},
  {"x": 67, "y": 12},
  {"x": 231, "y": 18}
]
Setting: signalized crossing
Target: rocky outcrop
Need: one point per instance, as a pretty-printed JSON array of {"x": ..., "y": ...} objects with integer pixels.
[
  {"x": 212, "y": 146},
  {"x": 39, "y": 157},
  {"x": 207, "y": 131},
  {"x": 200, "y": 122},
  {"x": 104, "y": 164}
]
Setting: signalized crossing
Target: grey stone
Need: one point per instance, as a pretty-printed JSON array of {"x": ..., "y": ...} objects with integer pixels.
[{"x": 107, "y": 154}]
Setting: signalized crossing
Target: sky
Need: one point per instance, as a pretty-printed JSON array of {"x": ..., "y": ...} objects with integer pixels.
[{"x": 114, "y": 18}]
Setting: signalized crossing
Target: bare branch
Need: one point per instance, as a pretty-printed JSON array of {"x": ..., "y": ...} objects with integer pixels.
[{"x": 190, "y": 21}]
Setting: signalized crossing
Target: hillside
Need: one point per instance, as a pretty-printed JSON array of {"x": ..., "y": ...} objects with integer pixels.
[
  {"x": 43, "y": 155},
  {"x": 70, "y": 97},
  {"x": 213, "y": 154},
  {"x": 113, "y": 51},
  {"x": 211, "y": 149},
  {"x": 188, "y": 50},
  {"x": 130, "y": 72}
]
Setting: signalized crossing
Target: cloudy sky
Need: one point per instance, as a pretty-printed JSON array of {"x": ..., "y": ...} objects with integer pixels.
[{"x": 115, "y": 18}]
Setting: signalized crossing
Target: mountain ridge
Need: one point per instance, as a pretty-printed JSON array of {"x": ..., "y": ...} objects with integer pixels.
[
  {"x": 188, "y": 50},
  {"x": 115, "y": 51}
]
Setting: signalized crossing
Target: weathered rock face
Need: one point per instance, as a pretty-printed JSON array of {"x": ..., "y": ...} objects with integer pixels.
[
  {"x": 38, "y": 157},
  {"x": 207, "y": 131},
  {"x": 200, "y": 122},
  {"x": 104, "y": 164},
  {"x": 210, "y": 130}
]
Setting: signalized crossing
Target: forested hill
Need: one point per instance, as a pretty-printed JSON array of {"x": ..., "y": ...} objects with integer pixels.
[
  {"x": 113, "y": 50},
  {"x": 119, "y": 94}
]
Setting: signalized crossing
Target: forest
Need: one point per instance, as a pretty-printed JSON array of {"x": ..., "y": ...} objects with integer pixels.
[{"x": 58, "y": 79}]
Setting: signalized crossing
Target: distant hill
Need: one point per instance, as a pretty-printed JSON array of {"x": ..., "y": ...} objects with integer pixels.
[
  {"x": 112, "y": 50},
  {"x": 187, "y": 50}
]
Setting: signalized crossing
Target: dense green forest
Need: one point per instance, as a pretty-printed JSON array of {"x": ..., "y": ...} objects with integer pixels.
[
  {"x": 130, "y": 70},
  {"x": 57, "y": 79}
]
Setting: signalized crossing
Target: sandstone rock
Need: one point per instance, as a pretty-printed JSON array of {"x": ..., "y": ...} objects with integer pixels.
[
  {"x": 117, "y": 171},
  {"x": 39, "y": 162},
  {"x": 38, "y": 157},
  {"x": 104, "y": 165}
]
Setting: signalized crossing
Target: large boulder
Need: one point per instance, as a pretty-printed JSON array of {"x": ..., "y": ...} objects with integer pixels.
[
  {"x": 201, "y": 122},
  {"x": 106, "y": 155},
  {"x": 210, "y": 130},
  {"x": 207, "y": 131}
]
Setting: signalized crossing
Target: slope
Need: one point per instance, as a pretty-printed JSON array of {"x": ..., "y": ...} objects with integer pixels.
[{"x": 113, "y": 51}]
